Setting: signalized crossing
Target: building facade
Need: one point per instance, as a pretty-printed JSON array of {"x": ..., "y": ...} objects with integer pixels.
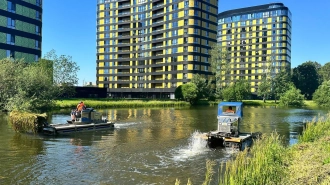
[
  {"x": 257, "y": 40},
  {"x": 20, "y": 29},
  {"x": 147, "y": 48}
]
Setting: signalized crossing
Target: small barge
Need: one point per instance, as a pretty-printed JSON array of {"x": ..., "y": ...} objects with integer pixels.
[
  {"x": 228, "y": 135},
  {"x": 85, "y": 120}
]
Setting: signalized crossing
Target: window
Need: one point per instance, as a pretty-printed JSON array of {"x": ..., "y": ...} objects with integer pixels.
[
  {"x": 206, "y": 68},
  {"x": 196, "y": 31},
  {"x": 185, "y": 12},
  {"x": 36, "y": 58},
  {"x": 38, "y": 2},
  {"x": 10, "y": 54},
  {"x": 37, "y": 44},
  {"x": 196, "y": 22},
  {"x": 196, "y": 12},
  {"x": 11, "y": 7},
  {"x": 10, "y": 39},
  {"x": 10, "y": 22},
  {"x": 38, "y": 15}
]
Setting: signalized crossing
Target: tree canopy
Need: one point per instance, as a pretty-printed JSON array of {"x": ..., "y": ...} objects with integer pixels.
[
  {"x": 322, "y": 94},
  {"x": 306, "y": 78},
  {"x": 32, "y": 87}
]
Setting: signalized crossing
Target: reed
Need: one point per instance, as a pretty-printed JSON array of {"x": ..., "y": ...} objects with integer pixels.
[
  {"x": 262, "y": 165},
  {"x": 315, "y": 129},
  {"x": 120, "y": 103}
]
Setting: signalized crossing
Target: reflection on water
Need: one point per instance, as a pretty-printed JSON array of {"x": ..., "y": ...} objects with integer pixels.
[{"x": 147, "y": 146}]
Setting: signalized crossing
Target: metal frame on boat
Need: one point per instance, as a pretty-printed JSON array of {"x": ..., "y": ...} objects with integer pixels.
[
  {"x": 228, "y": 135},
  {"x": 86, "y": 120}
]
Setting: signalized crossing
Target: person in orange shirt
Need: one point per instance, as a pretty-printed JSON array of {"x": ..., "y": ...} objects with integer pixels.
[
  {"x": 230, "y": 110},
  {"x": 81, "y": 106}
]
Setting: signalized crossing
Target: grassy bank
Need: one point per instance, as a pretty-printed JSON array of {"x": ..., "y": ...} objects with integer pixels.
[
  {"x": 270, "y": 162},
  {"x": 127, "y": 103},
  {"x": 113, "y": 103}
]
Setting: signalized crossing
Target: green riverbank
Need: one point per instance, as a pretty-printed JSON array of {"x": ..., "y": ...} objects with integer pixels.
[
  {"x": 128, "y": 103},
  {"x": 120, "y": 103},
  {"x": 270, "y": 162}
]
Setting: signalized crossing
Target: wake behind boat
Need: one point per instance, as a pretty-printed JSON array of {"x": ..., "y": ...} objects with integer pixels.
[{"x": 85, "y": 120}]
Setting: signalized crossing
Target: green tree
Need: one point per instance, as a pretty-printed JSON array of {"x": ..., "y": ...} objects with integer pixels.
[
  {"x": 30, "y": 86},
  {"x": 264, "y": 89},
  {"x": 325, "y": 72},
  {"x": 292, "y": 97},
  {"x": 10, "y": 70},
  {"x": 238, "y": 91},
  {"x": 220, "y": 66},
  {"x": 178, "y": 93},
  {"x": 190, "y": 92},
  {"x": 306, "y": 78},
  {"x": 322, "y": 94},
  {"x": 281, "y": 83},
  {"x": 64, "y": 72},
  {"x": 201, "y": 85}
]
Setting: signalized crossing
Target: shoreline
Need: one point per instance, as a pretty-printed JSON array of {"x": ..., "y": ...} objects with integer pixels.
[{"x": 136, "y": 103}]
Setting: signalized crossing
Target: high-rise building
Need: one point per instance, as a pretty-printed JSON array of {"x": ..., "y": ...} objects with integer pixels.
[
  {"x": 147, "y": 48},
  {"x": 258, "y": 41},
  {"x": 20, "y": 29}
]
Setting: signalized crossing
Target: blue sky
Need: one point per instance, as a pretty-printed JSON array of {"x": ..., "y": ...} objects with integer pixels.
[{"x": 69, "y": 27}]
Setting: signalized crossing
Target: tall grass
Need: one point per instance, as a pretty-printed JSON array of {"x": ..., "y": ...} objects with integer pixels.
[
  {"x": 120, "y": 103},
  {"x": 315, "y": 129},
  {"x": 262, "y": 165}
]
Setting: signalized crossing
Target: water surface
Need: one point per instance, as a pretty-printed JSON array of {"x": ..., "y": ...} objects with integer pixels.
[{"x": 147, "y": 146}]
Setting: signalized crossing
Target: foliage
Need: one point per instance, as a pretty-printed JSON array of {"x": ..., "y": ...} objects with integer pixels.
[
  {"x": 178, "y": 93},
  {"x": 325, "y": 72},
  {"x": 292, "y": 97},
  {"x": 306, "y": 78},
  {"x": 29, "y": 86},
  {"x": 262, "y": 165},
  {"x": 220, "y": 65},
  {"x": 9, "y": 71},
  {"x": 201, "y": 85},
  {"x": 238, "y": 91},
  {"x": 110, "y": 103},
  {"x": 264, "y": 88},
  {"x": 281, "y": 83},
  {"x": 64, "y": 72},
  {"x": 190, "y": 92},
  {"x": 322, "y": 94}
]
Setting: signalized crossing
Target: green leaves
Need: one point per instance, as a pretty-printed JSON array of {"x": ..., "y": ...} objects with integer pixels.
[
  {"x": 190, "y": 92},
  {"x": 30, "y": 87},
  {"x": 292, "y": 97},
  {"x": 322, "y": 94}
]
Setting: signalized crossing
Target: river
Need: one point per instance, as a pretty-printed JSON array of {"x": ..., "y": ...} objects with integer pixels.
[{"x": 147, "y": 146}]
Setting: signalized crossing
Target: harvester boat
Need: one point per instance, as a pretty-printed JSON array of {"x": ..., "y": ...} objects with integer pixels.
[
  {"x": 85, "y": 120},
  {"x": 228, "y": 135}
]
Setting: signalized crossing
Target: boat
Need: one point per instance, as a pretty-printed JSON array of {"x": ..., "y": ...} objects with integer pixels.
[
  {"x": 81, "y": 121},
  {"x": 228, "y": 135}
]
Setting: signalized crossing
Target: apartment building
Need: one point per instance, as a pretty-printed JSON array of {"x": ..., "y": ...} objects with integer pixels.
[
  {"x": 20, "y": 29},
  {"x": 258, "y": 41},
  {"x": 147, "y": 48}
]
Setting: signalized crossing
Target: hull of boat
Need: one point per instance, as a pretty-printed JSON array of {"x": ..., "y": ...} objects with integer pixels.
[{"x": 64, "y": 129}]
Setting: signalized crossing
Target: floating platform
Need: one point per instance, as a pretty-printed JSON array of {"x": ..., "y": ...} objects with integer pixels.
[
  {"x": 67, "y": 128},
  {"x": 241, "y": 142}
]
